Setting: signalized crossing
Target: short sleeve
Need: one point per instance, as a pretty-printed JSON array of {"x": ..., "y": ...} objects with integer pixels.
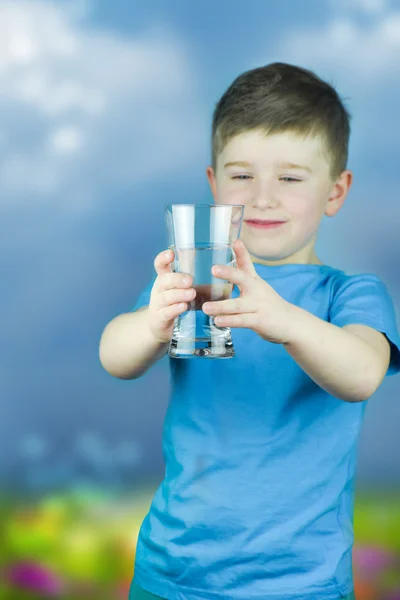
[
  {"x": 144, "y": 296},
  {"x": 365, "y": 300}
]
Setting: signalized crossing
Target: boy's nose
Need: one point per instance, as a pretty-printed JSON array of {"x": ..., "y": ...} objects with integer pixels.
[
  {"x": 264, "y": 195},
  {"x": 265, "y": 200}
]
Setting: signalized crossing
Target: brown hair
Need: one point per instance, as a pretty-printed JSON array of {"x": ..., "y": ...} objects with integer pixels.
[{"x": 281, "y": 97}]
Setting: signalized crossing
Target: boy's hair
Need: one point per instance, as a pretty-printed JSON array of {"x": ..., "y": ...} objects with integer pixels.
[{"x": 281, "y": 97}]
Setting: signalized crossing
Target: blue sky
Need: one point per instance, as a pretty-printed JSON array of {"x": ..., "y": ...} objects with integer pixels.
[{"x": 105, "y": 117}]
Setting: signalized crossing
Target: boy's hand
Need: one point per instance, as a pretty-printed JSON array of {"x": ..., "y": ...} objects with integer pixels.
[
  {"x": 168, "y": 298},
  {"x": 259, "y": 307}
]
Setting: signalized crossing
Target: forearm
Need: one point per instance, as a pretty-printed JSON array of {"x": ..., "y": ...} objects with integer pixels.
[
  {"x": 341, "y": 363},
  {"x": 127, "y": 346}
]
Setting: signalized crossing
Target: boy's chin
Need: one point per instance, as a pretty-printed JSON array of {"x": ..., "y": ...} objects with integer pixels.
[
  {"x": 259, "y": 253},
  {"x": 273, "y": 248}
]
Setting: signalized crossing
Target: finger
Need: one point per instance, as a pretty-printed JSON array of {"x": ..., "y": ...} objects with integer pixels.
[
  {"x": 174, "y": 296},
  {"x": 229, "y": 307},
  {"x": 243, "y": 258},
  {"x": 162, "y": 262},
  {"x": 170, "y": 312},
  {"x": 169, "y": 281},
  {"x": 234, "y": 275},
  {"x": 243, "y": 320}
]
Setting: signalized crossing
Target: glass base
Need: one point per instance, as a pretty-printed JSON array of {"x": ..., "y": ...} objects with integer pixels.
[
  {"x": 195, "y": 335},
  {"x": 198, "y": 349}
]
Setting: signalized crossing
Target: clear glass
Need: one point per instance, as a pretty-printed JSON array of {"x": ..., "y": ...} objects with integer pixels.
[{"x": 201, "y": 235}]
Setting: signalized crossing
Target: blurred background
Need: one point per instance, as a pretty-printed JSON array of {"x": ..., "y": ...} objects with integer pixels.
[{"x": 105, "y": 116}]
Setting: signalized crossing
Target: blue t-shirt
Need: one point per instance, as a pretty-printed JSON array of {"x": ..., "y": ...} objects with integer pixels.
[{"x": 257, "y": 499}]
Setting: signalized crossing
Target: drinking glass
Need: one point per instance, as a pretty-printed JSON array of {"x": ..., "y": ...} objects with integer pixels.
[{"x": 202, "y": 235}]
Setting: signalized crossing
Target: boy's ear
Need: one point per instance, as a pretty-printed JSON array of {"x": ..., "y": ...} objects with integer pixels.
[
  {"x": 212, "y": 181},
  {"x": 338, "y": 193}
]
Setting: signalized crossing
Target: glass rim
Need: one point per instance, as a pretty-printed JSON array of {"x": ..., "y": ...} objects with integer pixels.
[{"x": 208, "y": 204}]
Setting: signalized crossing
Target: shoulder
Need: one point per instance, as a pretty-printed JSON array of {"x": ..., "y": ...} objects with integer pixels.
[
  {"x": 363, "y": 305},
  {"x": 362, "y": 298},
  {"x": 344, "y": 284},
  {"x": 347, "y": 282},
  {"x": 362, "y": 294}
]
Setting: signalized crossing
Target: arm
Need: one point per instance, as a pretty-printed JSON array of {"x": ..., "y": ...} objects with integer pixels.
[
  {"x": 132, "y": 342},
  {"x": 128, "y": 348},
  {"x": 349, "y": 363}
]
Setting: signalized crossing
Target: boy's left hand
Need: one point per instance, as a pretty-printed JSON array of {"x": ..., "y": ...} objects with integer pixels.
[{"x": 259, "y": 307}]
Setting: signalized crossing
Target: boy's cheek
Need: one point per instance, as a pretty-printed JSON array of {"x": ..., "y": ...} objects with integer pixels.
[
  {"x": 306, "y": 218},
  {"x": 301, "y": 205}
]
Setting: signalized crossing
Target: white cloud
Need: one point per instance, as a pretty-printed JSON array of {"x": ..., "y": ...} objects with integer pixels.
[
  {"x": 369, "y": 7},
  {"x": 85, "y": 110},
  {"x": 348, "y": 48},
  {"x": 66, "y": 140}
]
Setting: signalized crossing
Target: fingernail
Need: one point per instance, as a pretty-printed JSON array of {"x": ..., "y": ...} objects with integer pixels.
[{"x": 217, "y": 270}]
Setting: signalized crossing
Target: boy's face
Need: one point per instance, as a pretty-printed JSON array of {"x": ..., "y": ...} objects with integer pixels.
[{"x": 280, "y": 177}]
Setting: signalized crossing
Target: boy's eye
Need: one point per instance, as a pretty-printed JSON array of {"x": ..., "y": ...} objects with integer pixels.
[
  {"x": 241, "y": 177},
  {"x": 289, "y": 179}
]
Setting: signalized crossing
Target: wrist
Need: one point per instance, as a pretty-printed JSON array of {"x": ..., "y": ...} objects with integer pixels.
[
  {"x": 294, "y": 324},
  {"x": 156, "y": 338}
]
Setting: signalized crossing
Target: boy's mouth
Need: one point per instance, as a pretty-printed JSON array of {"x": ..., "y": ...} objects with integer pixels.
[{"x": 263, "y": 224}]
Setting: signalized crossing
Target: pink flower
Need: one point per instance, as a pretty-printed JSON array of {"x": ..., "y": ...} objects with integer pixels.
[
  {"x": 35, "y": 578},
  {"x": 371, "y": 561}
]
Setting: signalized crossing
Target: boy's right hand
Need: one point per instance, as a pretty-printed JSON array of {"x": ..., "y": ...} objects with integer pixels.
[{"x": 169, "y": 297}]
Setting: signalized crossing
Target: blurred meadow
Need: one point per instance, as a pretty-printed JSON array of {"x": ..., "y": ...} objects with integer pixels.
[{"x": 81, "y": 544}]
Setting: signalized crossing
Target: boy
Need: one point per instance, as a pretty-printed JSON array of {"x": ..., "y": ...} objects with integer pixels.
[{"x": 260, "y": 450}]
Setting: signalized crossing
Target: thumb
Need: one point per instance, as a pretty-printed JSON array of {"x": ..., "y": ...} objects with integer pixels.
[{"x": 243, "y": 258}]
